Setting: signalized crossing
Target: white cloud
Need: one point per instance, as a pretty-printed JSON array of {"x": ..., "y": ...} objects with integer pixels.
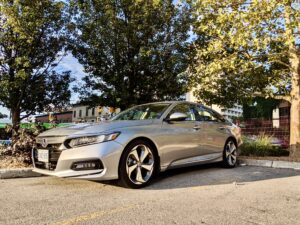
[
  {"x": 4, "y": 111},
  {"x": 70, "y": 63}
]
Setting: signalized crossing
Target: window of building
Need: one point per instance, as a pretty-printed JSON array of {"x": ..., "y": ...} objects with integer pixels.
[
  {"x": 74, "y": 113},
  {"x": 87, "y": 112},
  {"x": 284, "y": 111},
  {"x": 93, "y": 111},
  {"x": 80, "y": 113}
]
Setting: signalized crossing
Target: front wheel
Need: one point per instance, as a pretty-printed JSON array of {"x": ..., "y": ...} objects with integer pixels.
[
  {"x": 230, "y": 154},
  {"x": 137, "y": 165}
]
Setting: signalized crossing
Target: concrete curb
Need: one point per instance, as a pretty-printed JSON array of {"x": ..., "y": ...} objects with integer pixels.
[
  {"x": 18, "y": 173},
  {"x": 270, "y": 163}
]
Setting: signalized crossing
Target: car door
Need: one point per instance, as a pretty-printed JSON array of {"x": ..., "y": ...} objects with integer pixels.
[
  {"x": 181, "y": 138},
  {"x": 213, "y": 127}
]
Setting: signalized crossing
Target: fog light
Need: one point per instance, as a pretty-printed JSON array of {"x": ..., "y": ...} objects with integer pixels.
[{"x": 87, "y": 165}]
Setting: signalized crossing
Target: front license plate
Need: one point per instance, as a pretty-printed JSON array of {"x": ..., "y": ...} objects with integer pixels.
[{"x": 43, "y": 155}]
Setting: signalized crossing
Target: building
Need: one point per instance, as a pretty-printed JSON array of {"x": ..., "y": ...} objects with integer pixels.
[
  {"x": 61, "y": 117},
  {"x": 84, "y": 113},
  {"x": 234, "y": 112},
  {"x": 231, "y": 113},
  {"x": 281, "y": 115}
]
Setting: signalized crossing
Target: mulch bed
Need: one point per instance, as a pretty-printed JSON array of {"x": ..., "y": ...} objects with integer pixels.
[
  {"x": 13, "y": 161},
  {"x": 10, "y": 162}
]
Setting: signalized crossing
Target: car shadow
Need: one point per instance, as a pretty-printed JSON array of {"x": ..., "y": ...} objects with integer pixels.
[{"x": 213, "y": 174}]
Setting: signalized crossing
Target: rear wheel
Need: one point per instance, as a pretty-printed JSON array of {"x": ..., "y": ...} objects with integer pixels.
[
  {"x": 230, "y": 154},
  {"x": 137, "y": 165}
]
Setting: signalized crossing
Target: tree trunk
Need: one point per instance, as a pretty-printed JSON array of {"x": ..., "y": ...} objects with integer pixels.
[
  {"x": 15, "y": 123},
  {"x": 295, "y": 92},
  {"x": 295, "y": 105}
]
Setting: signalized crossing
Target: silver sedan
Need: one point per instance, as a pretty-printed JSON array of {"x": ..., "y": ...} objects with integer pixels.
[{"x": 138, "y": 143}]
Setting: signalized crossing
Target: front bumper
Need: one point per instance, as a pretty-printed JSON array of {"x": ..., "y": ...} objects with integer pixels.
[{"x": 109, "y": 153}]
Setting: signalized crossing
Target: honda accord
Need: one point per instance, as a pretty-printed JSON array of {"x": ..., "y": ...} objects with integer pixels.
[{"x": 138, "y": 143}]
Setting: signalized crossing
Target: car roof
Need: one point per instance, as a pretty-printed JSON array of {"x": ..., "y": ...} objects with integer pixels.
[{"x": 172, "y": 102}]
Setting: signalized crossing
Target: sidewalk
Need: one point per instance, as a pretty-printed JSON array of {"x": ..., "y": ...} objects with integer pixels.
[
  {"x": 18, "y": 173},
  {"x": 273, "y": 162}
]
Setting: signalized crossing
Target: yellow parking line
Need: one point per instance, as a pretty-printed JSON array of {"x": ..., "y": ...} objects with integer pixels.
[{"x": 93, "y": 215}]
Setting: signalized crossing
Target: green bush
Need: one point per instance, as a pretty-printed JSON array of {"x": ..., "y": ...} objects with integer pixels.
[{"x": 261, "y": 146}]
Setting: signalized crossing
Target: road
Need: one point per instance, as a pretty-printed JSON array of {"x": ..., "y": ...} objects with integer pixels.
[{"x": 198, "y": 195}]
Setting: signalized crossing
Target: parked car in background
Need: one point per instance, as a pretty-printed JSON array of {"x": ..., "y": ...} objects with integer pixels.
[
  {"x": 138, "y": 143},
  {"x": 5, "y": 142}
]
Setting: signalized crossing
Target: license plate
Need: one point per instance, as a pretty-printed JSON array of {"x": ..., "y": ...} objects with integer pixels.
[{"x": 43, "y": 155}]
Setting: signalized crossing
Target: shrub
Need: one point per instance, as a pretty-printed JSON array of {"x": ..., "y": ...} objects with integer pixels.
[
  {"x": 261, "y": 146},
  {"x": 21, "y": 148}
]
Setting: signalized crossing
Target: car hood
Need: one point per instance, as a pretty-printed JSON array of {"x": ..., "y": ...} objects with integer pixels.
[{"x": 88, "y": 128}]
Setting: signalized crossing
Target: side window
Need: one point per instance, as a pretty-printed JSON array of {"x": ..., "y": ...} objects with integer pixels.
[
  {"x": 204, "y": 114},
  {"x": 186, "y": 109}
]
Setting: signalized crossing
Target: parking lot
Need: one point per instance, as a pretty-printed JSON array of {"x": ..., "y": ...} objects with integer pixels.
[{"x": 198, "y": 195}]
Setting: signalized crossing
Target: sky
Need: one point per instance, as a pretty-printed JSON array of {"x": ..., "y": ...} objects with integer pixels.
[{"x": 68, "y": 63}]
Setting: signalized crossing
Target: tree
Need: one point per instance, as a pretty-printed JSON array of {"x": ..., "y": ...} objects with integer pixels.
[
  {"x": 133, "y": 51},
  {"x": 252, "y": 47},
  {"x": 260, "y": 107},
  {"x": 31, "y": 38}
]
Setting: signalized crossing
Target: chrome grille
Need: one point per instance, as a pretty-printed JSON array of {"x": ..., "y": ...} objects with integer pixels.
[{"x": 54, "y": 154}]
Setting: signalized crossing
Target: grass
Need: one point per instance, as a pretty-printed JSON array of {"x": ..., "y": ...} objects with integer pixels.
[{"x": 261, "y": 146}]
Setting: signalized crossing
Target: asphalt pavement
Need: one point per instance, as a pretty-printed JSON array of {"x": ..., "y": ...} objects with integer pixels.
[{"x": 198, "y": 195}]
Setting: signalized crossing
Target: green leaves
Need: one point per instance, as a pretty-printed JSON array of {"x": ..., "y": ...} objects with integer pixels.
[
  {"x": 132, "y": 50},
  {"x": 32, "y": 33},
  {"x": 245, "y": 51}
]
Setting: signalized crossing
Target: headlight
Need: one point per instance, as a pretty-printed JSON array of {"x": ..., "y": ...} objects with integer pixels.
[{"x": 89, "y": 140}]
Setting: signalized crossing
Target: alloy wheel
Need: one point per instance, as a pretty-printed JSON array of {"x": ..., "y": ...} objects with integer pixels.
[
  {"x": 231, "y": 153},
  {"x": 140, "y": 164}
]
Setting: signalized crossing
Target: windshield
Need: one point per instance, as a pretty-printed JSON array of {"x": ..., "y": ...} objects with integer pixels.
[{"x": 143, "y": 112}]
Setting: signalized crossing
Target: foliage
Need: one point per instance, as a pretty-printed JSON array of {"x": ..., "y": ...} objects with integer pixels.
[
  {"x": 31, "y": 37},
  {"x": 2, "y": 116},
  {"x": 24, "y": 143},
  {"x": 261, "y": 146},
  {"x": 133, "y": 51},
  {"x": 4, "y": 135},
  {"x": 250, "y": 48},
  {"x": 259, "y": 108}
]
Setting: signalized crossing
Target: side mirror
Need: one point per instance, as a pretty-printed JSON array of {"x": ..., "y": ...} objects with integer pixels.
[{"x": 177, "y": 116}]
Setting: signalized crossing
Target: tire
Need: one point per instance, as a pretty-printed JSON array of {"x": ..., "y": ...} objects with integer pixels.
[
  {"x": 138, "y": 165},
  {"x": 230, "y": 154}
]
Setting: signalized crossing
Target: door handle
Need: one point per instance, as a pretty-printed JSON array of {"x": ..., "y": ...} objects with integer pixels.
[{"x": 196, "y": 127}]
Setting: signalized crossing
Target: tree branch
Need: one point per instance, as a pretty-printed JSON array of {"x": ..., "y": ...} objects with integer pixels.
[
  {"x": 280, "y": 62},
  {"x": 27, "y": 115}
]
